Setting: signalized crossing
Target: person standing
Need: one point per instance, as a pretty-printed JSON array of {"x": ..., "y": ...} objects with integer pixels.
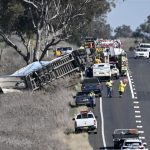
[
  {"x": 109, "y": 85},
  {"x": 92, "y": 99},
  {"x": 121, "y": 88}
]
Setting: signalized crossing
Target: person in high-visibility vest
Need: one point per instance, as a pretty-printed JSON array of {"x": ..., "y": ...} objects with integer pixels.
[
  {"x": 97, "y": 61},
  {"x": 121, "y": 88},
  {"x": 109, "y": 85},
  {"x": 92, "y": 98},
  {"x": 57, "y": 53}
]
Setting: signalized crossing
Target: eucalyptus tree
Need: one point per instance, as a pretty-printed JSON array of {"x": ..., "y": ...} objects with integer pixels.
[{"x": 47, "y": 22}]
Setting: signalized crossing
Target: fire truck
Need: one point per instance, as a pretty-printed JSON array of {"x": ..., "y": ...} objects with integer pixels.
[{"x": 111, "y": 51}]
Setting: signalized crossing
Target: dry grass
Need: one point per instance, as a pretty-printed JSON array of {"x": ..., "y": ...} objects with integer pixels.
[{"x": 35, "y": 121}]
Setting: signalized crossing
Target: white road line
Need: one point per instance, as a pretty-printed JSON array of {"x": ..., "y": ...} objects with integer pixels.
[
  {"x": 135, "y": 102},
  {"x": 137, "y": 116},
  {"x": 138, "y": 112},
  {"x": 141, "y": 132},
  {"x": 135, "y": 97},
  {"x": 138, "y": 121},
  {"x": 136, "y": 107},
  {"x": 102, "y": 124},
  {"x": 130, "y": 84},
  {"x": 142, "y": 137},
  {"x": 139, "y": 126}
]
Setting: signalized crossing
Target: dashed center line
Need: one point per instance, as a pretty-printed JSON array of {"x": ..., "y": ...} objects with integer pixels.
[
  {"x": 141, "y": 132},
  {"x": 139, "y": 126},
  {"x": 138, "y": 112},
  {"x": 138, "y": 116},
  {"x": 136, "y": 107},
  {"x": 138, "y": 121}
]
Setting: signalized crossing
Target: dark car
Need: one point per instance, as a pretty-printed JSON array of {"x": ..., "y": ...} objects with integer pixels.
[
  {"x": 92, "y": 84},
  {"x": 83, "y": 98}
]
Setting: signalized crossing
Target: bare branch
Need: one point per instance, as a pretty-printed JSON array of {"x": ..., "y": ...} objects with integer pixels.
[
  {"x": 10, "y": 43},
  {"x": 32, "y": 3}
]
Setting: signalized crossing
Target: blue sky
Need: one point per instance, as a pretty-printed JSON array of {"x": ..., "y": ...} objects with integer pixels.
[{"x": 129, "y": 12}]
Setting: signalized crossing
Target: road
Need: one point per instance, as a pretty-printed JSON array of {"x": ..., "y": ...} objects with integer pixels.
[{"x": 130, "y": 111}]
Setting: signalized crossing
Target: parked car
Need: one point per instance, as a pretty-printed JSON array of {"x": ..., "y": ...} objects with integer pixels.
[
  {"x": 65, "y": 50},
  {"x": 92, "y": 84},
  {"x": 83, "y": 98},
  {"x": 141, "y": 52}
]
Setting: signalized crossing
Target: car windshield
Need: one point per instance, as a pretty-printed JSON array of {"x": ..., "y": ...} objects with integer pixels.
[
  {"x": 92, "y": 80},
  {"x": 81, "y": 94},
  {"x": 141, "y": 50},
  {"x": 64, "y": 48},
  {"x": 84, "y": 116},
  {"x": 145, "y": 46},
  {"x": 90, "y": 116}
]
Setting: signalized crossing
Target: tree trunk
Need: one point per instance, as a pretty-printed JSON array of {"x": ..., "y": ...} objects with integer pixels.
[{"x": 37, "y": 45}]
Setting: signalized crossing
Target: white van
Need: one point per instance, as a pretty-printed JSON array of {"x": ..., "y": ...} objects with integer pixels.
[{"x": 141, "y": 52}]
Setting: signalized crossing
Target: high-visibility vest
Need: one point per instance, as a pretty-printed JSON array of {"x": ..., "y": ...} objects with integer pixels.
[
  {"x": 109, "y": 83},
  {"x": 121, "y": 87},
  {"x": 58, "y": 53}
]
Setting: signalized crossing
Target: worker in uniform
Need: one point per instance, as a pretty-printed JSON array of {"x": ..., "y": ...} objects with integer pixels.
[
  {"x": 121, "y": 88},
  {"x": 57, "y": 53},
  {"x": 92, "y": 98},
  {"x": 109, "y": 85},
  {"x": 97, "y": 61}
]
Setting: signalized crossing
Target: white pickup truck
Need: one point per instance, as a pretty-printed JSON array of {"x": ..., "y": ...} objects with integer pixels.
[
  {"x": 85, "y": 120},
  {"x": 102, "y": 71}
]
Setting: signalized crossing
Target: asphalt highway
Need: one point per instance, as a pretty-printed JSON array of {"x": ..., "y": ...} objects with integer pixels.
[{"x": 130, "y": 111}]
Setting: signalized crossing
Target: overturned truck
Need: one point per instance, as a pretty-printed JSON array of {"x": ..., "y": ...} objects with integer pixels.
[{"x": 37, "y": 74}]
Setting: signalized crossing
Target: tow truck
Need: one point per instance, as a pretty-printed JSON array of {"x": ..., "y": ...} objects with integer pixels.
[
  {"x": 127, "y": 139},
  {"x": 85, "y": 121}
]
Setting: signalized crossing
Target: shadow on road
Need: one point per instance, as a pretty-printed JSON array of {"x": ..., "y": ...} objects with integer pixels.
[{"x": 108, "y": 147}]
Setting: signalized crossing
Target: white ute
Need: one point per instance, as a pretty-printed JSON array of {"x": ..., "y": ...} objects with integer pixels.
[
  {"x": 85, "y": 120},
  {"x": 141, "y": 52}
]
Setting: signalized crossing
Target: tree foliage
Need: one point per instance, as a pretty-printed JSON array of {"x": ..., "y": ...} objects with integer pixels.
[
  {"x": 143, "y": 31},
  {"x": 123, "y": 31},
  {"x": 46, "y": 22}
]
